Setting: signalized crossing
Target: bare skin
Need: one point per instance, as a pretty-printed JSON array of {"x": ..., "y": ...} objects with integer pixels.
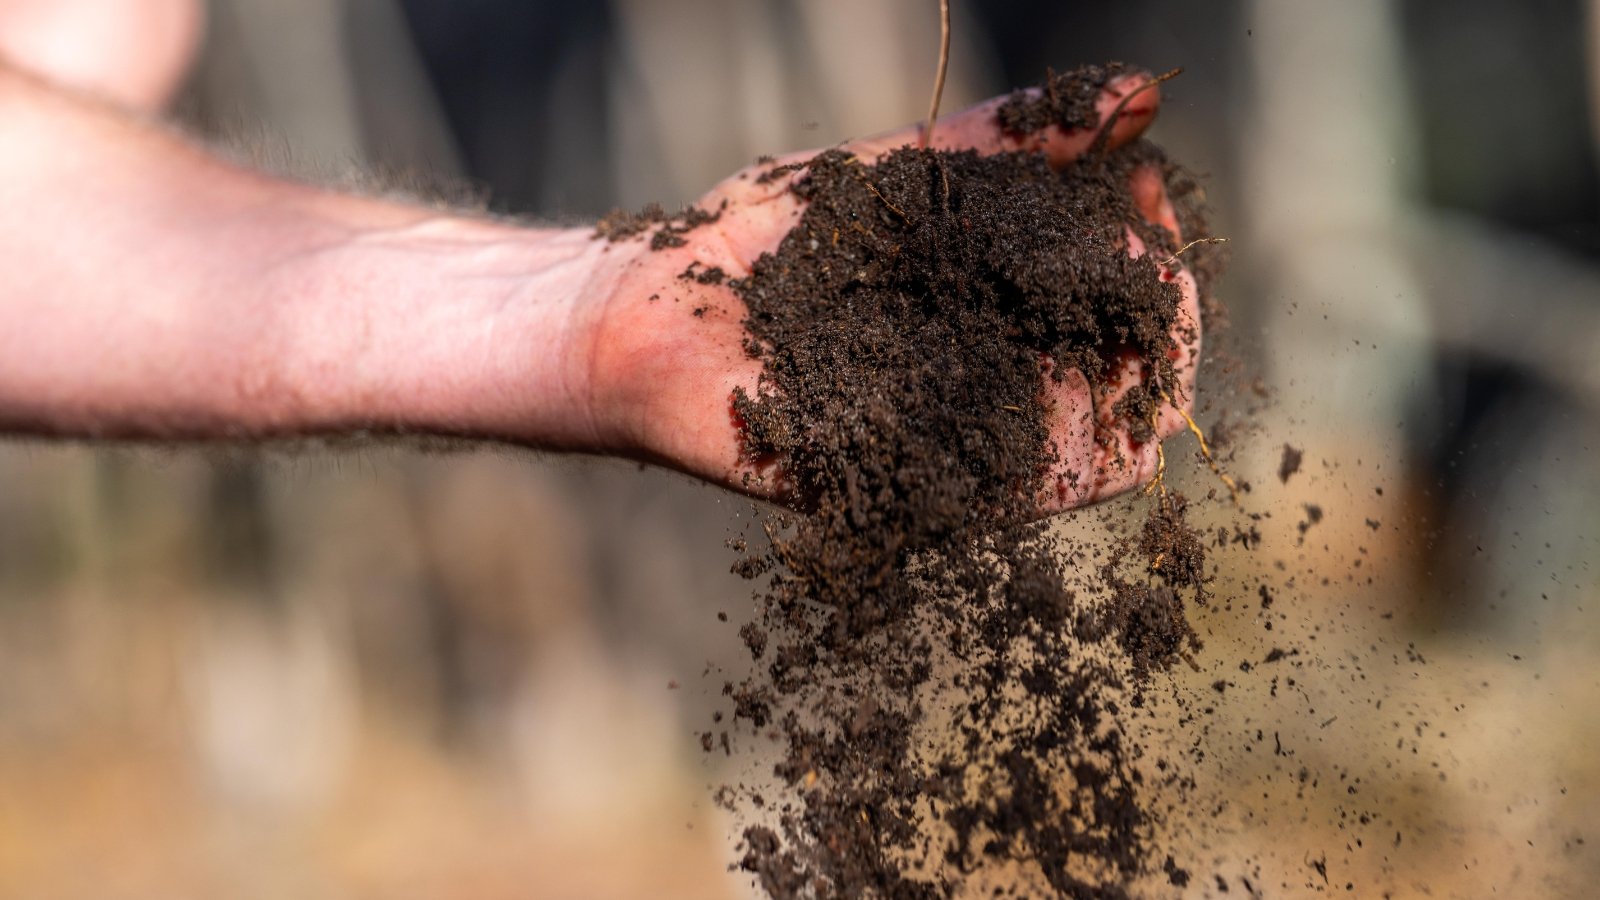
[
  {"x": 131, "y": 52},
  {"x": 156, "y": 291}
]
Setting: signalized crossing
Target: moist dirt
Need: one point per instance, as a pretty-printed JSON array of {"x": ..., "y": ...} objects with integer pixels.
[{"x": 948, "y": 682}]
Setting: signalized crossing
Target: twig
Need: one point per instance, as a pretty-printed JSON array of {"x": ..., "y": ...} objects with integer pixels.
[{"x": 938, "y": 78}]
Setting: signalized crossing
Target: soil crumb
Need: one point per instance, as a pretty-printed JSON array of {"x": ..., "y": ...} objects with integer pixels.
[
  {"x": 1290, "y": 464},
  {"x": 1312, "y": 519},
  {"x": 1067, "y": 100},
  {"x": 949, "y": 692},
  {"x": 621, "y": 224}
]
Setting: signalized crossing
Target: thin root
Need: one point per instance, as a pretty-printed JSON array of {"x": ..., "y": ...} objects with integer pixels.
[
  {"x": 1205, "y": 450},
  {"x": 1159, "y": 482},
  {"x": 879, "y": 194},
  {"x": 1174, "y": 257}
]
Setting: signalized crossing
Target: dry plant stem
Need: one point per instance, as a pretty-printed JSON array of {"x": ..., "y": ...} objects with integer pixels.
[{"x": 938, "y": 78}]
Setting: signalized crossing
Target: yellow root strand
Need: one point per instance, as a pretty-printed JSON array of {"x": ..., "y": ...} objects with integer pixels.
[
  {"x": 1159, "y": 482},
  {"x": 1205, "y": 450},
  {"x": 1181, "y": 250}
]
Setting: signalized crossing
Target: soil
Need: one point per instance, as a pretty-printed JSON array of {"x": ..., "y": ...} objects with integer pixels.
[
  {"x": 1068, "y": 99},
  {"x": 948, "y": 685},
  {"x": 1290, "y": 464},
  {"x": 669, "y": 228},
  {"x": 944, "y": 688}
]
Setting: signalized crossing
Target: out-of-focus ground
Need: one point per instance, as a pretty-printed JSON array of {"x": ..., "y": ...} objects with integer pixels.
[{"x": 388, "y": 673}]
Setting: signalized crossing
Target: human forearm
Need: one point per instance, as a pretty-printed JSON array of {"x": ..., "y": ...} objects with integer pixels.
[
  {"x": 153, "y": 291},
  {"x": 449, "y": 326}
]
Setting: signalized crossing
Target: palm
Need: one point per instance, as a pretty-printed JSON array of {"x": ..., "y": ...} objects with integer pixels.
[{"x": 674, "y": 343}]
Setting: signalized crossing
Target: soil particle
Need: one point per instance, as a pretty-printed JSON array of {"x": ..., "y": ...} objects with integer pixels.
[
  {"x": 711, "y": 275},
  {"x": 1174, "y": 549},
  {"x": 1312, "y": 519},
  {"x": 755, "y": 639},
  {"x": 777, "y": 172},
  {"x": 1290, "y": 463},
  {"x": 1176, "y": 875},
  {"x": 620, "y": 224}
]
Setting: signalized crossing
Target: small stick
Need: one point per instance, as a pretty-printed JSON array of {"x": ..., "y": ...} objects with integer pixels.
[{"x": 938, "y": 78}]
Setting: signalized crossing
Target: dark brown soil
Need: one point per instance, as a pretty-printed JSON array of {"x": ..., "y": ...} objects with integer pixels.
[
  {"x": 621, "y": 224},
  {"x": 1068, "y": 99},
  {"x": 1290, "y": 464},
  {"x": 947, "y": 690},
  {"x": 949, "y": 684}
]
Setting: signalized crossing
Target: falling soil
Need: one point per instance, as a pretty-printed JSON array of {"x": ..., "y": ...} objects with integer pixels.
[
  {"x": 1290, "y": 464},
  {"x": 947, "y": 684},
  {"x": 945, "y": 688}
]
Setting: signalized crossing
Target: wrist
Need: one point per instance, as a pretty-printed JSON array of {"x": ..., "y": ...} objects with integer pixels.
[{"x": 456, "y": 327}]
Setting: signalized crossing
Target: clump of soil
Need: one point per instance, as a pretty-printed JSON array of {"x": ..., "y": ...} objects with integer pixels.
[
  {"x": 1067, "y": 99},
  {"x": 1290, "y": 464},
  {"x": 621, "y": 224},
  {"x": 949, "y": 694}
]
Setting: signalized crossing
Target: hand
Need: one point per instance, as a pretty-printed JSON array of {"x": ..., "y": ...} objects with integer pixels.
[{"x": 665, "y": 354}]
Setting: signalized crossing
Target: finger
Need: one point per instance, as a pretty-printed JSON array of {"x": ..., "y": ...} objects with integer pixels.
[
  {"x": 1070, "y": 407},
  {"x": 1122, "y": 462},
  {"x": 1100, "y": 456},
  {"x": 978, "y": 127},
  {"x": 1150, "y": 198}
]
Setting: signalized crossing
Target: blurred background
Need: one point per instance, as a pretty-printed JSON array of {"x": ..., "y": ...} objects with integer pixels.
[{"x": 388, "y": 673}]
